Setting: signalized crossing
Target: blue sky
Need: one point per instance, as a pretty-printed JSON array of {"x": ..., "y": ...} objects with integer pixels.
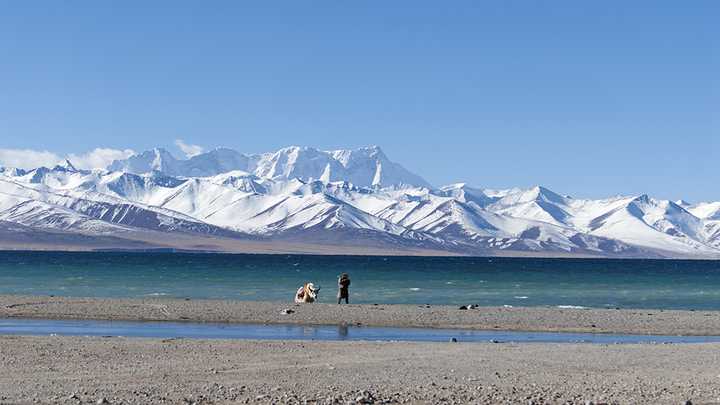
[{"x": 588, "y": 98}]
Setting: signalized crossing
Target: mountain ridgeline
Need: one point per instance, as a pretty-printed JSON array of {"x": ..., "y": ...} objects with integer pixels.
[{"x": 345, "y": 201}]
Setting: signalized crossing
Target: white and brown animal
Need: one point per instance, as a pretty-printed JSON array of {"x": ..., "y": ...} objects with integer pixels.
[{"x": 307, "y": 293}]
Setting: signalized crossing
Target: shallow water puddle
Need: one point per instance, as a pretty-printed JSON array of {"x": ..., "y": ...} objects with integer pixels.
[{"x": 301, "y": 332}]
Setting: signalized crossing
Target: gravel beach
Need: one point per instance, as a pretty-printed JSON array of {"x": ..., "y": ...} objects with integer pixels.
[
  {"x": 630, "y": 321},
  {"x": 75, "y": 370}
]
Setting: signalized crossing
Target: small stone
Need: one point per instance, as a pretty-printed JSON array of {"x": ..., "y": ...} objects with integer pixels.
[
  {"x": 453, "y": 340},
  {"x": 287, "y": 311},
  {"x": 688, "y": 402},
  {"x": 463, "y": 307},
  {"x": 102, "y": 401},
  {"x": 365, "y": 398}
]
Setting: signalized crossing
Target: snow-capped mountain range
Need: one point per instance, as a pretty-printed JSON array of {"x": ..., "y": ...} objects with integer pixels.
[{"x": 306, "y": 200}]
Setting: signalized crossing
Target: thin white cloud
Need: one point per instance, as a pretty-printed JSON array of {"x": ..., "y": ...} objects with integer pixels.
[
  {"x": 189, "y": 150},
  {"x": 98, "y": 158},
  {"x": 28, "y": 158}
]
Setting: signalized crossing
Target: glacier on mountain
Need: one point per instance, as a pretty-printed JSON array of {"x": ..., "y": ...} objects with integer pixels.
[{"x": 364, "y": 167}]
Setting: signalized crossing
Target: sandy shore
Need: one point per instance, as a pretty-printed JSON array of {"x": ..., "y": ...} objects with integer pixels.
[
  {"x": 74, "y": 370},
  {"x": 487, "y": 318}
]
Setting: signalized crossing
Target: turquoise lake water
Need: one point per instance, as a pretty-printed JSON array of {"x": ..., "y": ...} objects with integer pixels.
[{"x": 664, "y": 284}]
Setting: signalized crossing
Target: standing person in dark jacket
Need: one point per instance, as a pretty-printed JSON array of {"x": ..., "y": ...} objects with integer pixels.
[{"x": 343, "y": 286}]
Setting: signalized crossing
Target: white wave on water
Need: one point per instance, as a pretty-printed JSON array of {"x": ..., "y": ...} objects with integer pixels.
[
  {"x": 157, "y": 294},
  {"x": 570, "y": 307},
  {"x": 414, "y": 289},
  {"x": 521, "y": 297}
]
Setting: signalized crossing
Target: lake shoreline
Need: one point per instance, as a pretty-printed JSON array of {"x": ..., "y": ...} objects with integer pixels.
[
  {"x": 141, "y": 370},
  {"x": 531, "y": 319}
]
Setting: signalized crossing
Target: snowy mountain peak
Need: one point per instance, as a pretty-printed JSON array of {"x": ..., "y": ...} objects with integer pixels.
[
  {"x": 709, "y": 211},
  {"x": 545, "y": 194},
  {"x": 157, "y": 159},
  {"x": 534, "y": 194},
  {"x": 364, "y": 167},
  {"x": 347, "y": 156},
  {"x": 642, "y": 199},
  {"x": 66, "y": 166},
  {"x": 12, "y": 171},
  {"x": 304, "y": 194},
  {"x": 464, "y": 193}
]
